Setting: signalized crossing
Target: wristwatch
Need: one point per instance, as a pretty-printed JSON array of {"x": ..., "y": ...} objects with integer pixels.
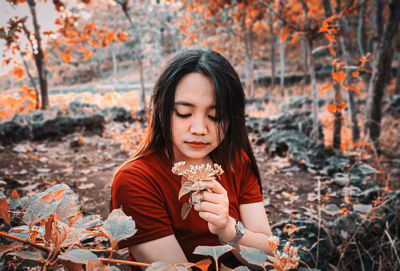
[{"x": 239, "y": 234}]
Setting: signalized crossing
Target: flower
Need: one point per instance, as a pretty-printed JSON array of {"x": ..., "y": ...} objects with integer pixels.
[{"x": 194, "y": 180}]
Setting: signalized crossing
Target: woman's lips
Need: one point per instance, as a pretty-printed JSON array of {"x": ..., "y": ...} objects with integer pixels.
[{"x": 197, "y": 144}]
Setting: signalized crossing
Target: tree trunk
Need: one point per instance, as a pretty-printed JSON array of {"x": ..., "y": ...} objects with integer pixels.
[
  {"x": 282, "y": 66},
  {"x": 143, "y": 96},
  {"x": 114, "y": 61},
  {"x": 310, "y": 64},
  {"x": 355, "y": 131},
  {"x": 380, "y": 73},
  {"x": 272, "y": 40},
  {"x": 327, "y": 7},
  {"x": 39, "y": 58},
  {"x": 306, "y": 80},
  {"x": 32, "y": 81},
  {"x": 360, "y": 28},
  {"x": 138, "y": 52},
  {"x": 99, "y": 55},
  {"x": 248, "y": 56},
  {"x": 337, "y": 126},
  {"x": 346, "y": 48},
  {"x": 377, "y": 25},
  {"x": 397, "y": 86}
]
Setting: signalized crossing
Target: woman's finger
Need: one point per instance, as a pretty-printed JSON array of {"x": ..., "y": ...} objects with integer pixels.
[
  {"x": 214, "y": 197},
  {"x": 216, "y": 187},
  {"x": 216, "y": 209}
]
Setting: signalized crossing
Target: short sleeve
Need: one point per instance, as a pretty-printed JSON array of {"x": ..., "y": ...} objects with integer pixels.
[
  {"x": 141, "y": 199},
  {"x": 250, "y": 191}
]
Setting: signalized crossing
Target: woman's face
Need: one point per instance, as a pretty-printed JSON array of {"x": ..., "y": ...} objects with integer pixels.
[{"x": 193, "y": 124}]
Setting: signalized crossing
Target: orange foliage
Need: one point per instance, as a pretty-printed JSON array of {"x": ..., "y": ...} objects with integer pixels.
[
  {"x": 327, "y": 86},
  {"x": 66, "y": 56},
  {"x": 339, "y": 107},
  {"x": 18, "y": 72},
  {"x": 4, "y": 210},
  {"x": 285, "y": 33},
  {"x": 339, "y": 76},
  {"x": 56, "y": 196},
  {"x": 356, "y": 90},
  {"x": 14, "y": 194},
  {"x": 87, "y": 55}
]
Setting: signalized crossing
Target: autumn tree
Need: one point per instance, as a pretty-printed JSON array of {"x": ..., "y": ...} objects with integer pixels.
[
  {"x": 35, "y": 40},
  {"x": 147, "y": 21},
  {"x": 231, "y": 27},
  {"x": 16, "y": 28},
  {"x": 300, "y": 20},
  {"x": 382, "y": 61},
  {"x": 78, "y": 41},
  {"x": 10, "y": 34}
]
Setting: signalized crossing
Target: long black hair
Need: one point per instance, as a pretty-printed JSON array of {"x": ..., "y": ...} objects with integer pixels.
[{"x": 230, "y": 107}]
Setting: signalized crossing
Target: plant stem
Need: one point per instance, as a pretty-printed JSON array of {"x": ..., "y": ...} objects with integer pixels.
[
  {"x": 45, "y": 249},
  {"x": 124, "y": 262}
]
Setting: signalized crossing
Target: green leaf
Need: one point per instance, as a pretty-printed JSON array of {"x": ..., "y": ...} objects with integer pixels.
[
  {"x": 242, "y": 268},
  {"x": 19, "y": 231},
  {"x": 253, "y": 255},
  {"x": 186, "y": 188},
  {"x": 342, "y": 179},
  {"x": 186, "y": 209},
  {"x": 29, "y": 255},
  {"x": 79, "y": 256},
  {"x": 38, "y": 208},
  {"x": 331, "y": 209},
  {"x": 14, "y": 204},
  {"x": 213, "y": 251},
  {"x": 367, "y": 169},
  {"x": 89, "y": 221},
  {"x": 74, "y": 235},
  {"x": 118, "y": 226},
  {"x": 113, "y": 268},
  {"x": 362, "y": 208}
]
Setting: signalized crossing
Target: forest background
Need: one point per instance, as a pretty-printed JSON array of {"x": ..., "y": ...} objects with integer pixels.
[{"x": 322, "y": 81}]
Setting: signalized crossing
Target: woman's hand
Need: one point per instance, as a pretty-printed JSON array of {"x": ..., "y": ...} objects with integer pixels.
[{"x": 214, "y": 208}]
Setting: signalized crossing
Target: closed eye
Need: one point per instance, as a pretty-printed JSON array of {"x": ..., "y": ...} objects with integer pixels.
[{"x": 184, "y": 116}]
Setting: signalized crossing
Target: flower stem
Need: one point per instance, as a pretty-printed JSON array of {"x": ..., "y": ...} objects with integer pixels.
[
  {"x": 124, "y": 262},
  {"x": 45, "y": 249}
]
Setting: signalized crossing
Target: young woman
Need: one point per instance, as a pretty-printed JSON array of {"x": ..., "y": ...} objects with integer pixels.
[{"x": 197, "y": 116}]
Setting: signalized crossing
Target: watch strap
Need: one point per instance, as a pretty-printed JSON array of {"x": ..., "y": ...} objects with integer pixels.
[{"x": 239, "y": 234}]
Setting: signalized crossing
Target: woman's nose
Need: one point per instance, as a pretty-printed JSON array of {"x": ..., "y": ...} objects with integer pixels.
[{"x": 199, "y": 127}]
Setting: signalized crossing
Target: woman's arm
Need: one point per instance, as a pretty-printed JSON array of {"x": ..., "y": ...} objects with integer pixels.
[
  {"x": 214, "y": 208},
  {"x": 257, "y": 226},
  {"x": 165, "y": 249}
]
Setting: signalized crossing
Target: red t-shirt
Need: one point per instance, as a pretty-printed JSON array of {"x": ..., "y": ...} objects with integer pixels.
[{"x": 148, "y": 191}]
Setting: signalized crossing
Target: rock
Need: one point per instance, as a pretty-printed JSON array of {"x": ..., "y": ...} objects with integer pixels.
[
  {"x": 43, "y": 170},
  {"x": 86, "y": 186},
  {"x": 12, "y": 132},
  {"x": 64, "y": 125},
  {"x": 119, "y": 114},
  {"x": 21, "y": 148},
  {"x": 43, "y": 159},
  {"x": 79, "y": 108}
]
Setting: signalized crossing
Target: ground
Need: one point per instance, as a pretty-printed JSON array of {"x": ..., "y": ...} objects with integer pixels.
[{"x": 87, "y": 163}]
